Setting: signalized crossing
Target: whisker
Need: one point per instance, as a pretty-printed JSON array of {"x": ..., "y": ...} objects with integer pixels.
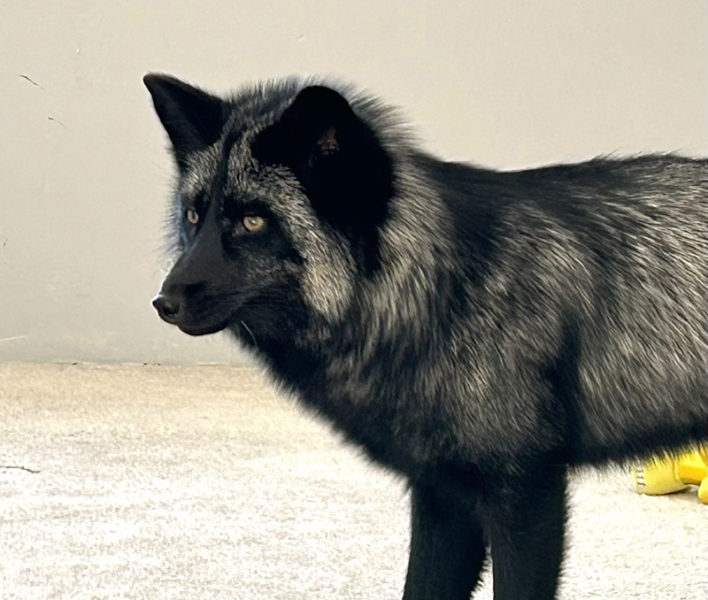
[{"x": 253, "y": 337}]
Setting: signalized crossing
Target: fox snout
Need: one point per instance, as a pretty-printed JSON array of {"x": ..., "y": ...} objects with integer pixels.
[
  {"x": 189, "y": 296},
  {"x": 192, "y": 308},
  {"x": 168, "y": 307},
  {"x": 171, "y": 301}
]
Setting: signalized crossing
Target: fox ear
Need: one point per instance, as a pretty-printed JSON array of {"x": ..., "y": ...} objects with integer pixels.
[
  {"x": 192, "y": 118},
  {"x": 337, "y": 157},
  {"x": 319, "y": 124}
]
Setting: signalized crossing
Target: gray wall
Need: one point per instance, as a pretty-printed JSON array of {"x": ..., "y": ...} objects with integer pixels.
[{"x": 85, "y": 174}]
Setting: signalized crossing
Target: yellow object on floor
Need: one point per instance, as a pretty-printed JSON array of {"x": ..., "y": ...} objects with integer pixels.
[{"x": 673, "y": 474}]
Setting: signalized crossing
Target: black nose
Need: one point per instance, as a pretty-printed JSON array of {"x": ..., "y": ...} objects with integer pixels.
[{"x": 168, "y": 308}]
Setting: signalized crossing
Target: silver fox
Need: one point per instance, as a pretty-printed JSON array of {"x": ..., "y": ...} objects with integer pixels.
[{"x": 479, "y": 332}]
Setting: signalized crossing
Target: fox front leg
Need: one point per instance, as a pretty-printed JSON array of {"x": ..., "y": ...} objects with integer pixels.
[{"x": 447, "y": 547}]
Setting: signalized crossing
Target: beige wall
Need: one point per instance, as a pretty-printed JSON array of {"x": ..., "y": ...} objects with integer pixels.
[{"x": 85, "y": 174}]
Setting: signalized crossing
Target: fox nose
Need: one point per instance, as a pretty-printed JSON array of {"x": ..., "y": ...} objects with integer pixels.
[{"x": 169, "y": 308}]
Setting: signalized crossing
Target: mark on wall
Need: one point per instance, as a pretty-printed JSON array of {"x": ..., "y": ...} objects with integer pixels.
[{"x": 32, "y": 81}]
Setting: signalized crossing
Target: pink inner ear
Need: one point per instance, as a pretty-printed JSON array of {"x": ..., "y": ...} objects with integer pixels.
[{"x": 327, "y": 143}]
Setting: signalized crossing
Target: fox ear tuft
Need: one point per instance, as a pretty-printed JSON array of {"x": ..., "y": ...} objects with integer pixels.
[
  {"x": 337, "y": 157},
  {"x": 192, "y": 118}
]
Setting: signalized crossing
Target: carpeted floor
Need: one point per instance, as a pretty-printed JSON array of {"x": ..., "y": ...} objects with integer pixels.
[{"x": 200, "y": 482}]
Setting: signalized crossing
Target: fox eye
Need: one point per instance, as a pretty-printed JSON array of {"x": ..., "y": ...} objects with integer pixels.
[
  {"x": 253, "y": 223},
  {"x": 192, "y": 216}
]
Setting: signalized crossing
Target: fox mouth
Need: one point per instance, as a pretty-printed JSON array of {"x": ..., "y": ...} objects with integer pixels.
[{"x": 197, "y": 330}]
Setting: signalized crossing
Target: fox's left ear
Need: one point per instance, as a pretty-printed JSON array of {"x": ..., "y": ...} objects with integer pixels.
[
  {"x": 192, "y": 118},
  {"x": 337, "y": 157}
]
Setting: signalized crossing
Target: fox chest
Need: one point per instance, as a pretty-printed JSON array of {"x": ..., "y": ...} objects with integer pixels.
[{"x": 390, "y": 434}]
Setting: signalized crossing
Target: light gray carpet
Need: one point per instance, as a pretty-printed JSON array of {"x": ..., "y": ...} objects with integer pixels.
[{"x": 171, "y": 482}]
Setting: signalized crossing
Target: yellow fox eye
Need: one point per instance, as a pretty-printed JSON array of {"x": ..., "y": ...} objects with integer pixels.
[
  {"x": 192, "y": 216},
  {"x": 252, "y": 224}
]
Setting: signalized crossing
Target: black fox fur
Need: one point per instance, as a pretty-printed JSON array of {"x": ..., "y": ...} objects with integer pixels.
[{"x": 477, "y": 331}]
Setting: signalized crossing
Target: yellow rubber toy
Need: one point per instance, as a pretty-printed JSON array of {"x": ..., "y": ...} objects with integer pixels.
[{"x": 673, "y": 474}]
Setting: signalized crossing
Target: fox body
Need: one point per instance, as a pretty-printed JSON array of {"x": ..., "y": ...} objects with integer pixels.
[{"x": 477, "y": 331}]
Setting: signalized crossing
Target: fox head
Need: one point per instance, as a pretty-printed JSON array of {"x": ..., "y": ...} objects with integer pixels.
[{"x": 282, "y": 190}]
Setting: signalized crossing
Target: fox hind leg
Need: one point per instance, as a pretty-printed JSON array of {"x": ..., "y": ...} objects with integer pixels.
[{"x": 525, "y": 520}]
